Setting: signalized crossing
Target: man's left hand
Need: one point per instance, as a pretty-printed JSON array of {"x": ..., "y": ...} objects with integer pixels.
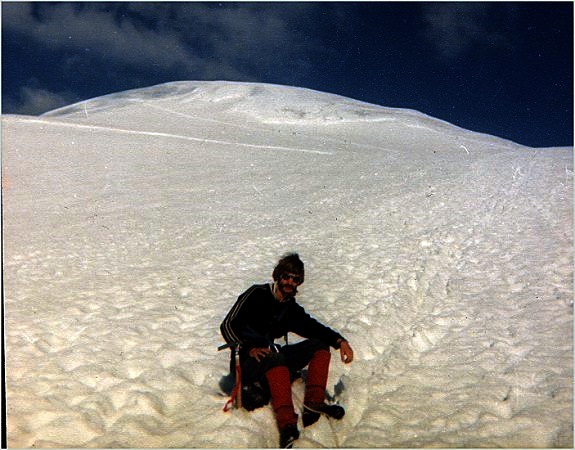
[{"x": 346, "y": 352}]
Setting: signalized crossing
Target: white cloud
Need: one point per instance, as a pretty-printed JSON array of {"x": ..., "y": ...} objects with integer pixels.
[
  {"x": 191, "y": 38},
  {"x": 65, "y": 27},
  {"x": 456, "y": 28},
  {"x": 33, "y": 101}
]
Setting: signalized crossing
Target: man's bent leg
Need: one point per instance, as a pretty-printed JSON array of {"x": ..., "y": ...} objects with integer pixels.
[
  {"x": 316, "y": 355},
  {"x": 281, "y": 397},
  {"x": 279, "y": 381},
  {"x": 317, "y": 374},
  {"x": 274, "y": 369},
  {"x": 299, "y": 355}
]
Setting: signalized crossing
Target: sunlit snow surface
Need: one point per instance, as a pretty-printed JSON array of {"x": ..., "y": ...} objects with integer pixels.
[{"x": 132, "y": 222}]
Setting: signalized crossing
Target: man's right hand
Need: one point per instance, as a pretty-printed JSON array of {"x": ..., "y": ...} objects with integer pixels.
[{"x": 259, "y": 353}]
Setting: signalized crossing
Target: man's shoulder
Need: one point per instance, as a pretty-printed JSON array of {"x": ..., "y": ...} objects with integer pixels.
[
  {"x": 263, "y": 287},
  {"x": 258, "y": 289}
]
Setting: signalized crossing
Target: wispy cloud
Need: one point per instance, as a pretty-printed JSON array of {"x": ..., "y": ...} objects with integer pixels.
[
  {"x": 33, "y": 101},
  {"x": 94, "y": 31},
  {"x": 196, "y": 38},
  {"x": 142, "y": 41},
  {"x": 457, "y": 28}
]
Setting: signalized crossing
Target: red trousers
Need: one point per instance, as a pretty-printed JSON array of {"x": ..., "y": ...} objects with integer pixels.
[{"x": 279, "y": 381}]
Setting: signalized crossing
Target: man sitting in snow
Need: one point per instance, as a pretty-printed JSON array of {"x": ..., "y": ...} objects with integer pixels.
[{"x": 269, "y": 311}]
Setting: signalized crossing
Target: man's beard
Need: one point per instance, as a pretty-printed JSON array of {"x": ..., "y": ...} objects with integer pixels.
[{"x": 287, "y": 293}]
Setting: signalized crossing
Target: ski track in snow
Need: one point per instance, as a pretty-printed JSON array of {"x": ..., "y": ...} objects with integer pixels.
[
  {"x": 449, "y": 269},
  {"x": 175, "y": 136},
  {"x": 251, "y": 128}
]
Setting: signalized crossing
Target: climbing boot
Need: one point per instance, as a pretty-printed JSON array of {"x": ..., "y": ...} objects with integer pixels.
[
  {"x": 311, "y": 413},
  {"x": 288, "y": 435}
]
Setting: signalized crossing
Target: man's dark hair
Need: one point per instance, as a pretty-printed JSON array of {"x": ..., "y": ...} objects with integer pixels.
[{"x": 289, "y": 263}]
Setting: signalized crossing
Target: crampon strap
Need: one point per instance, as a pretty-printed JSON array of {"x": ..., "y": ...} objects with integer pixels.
[{"x": 236, "y": 391}]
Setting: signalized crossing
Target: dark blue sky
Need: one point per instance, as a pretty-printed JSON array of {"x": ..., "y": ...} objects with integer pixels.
[{"x": 502, "y": 68}]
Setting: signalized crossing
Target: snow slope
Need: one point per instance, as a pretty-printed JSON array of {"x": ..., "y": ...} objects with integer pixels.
[{"x": 133, "y": 221}]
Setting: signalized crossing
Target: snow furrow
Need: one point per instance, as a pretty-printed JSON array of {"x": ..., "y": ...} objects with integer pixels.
[{"x": 449, "y": 269}]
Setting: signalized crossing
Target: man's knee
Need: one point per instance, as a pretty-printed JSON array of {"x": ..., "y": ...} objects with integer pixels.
[
  {"x": 253, "y": 370},
  {"x": 316, "y": 345},
  {"x": 275, "y": 360}
]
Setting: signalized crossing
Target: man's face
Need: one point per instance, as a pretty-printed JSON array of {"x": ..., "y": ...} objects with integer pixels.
[{"x": 288, "y": 283}]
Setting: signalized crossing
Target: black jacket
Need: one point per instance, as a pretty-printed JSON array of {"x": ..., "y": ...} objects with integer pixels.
[{"x": 257, "y": 318}]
